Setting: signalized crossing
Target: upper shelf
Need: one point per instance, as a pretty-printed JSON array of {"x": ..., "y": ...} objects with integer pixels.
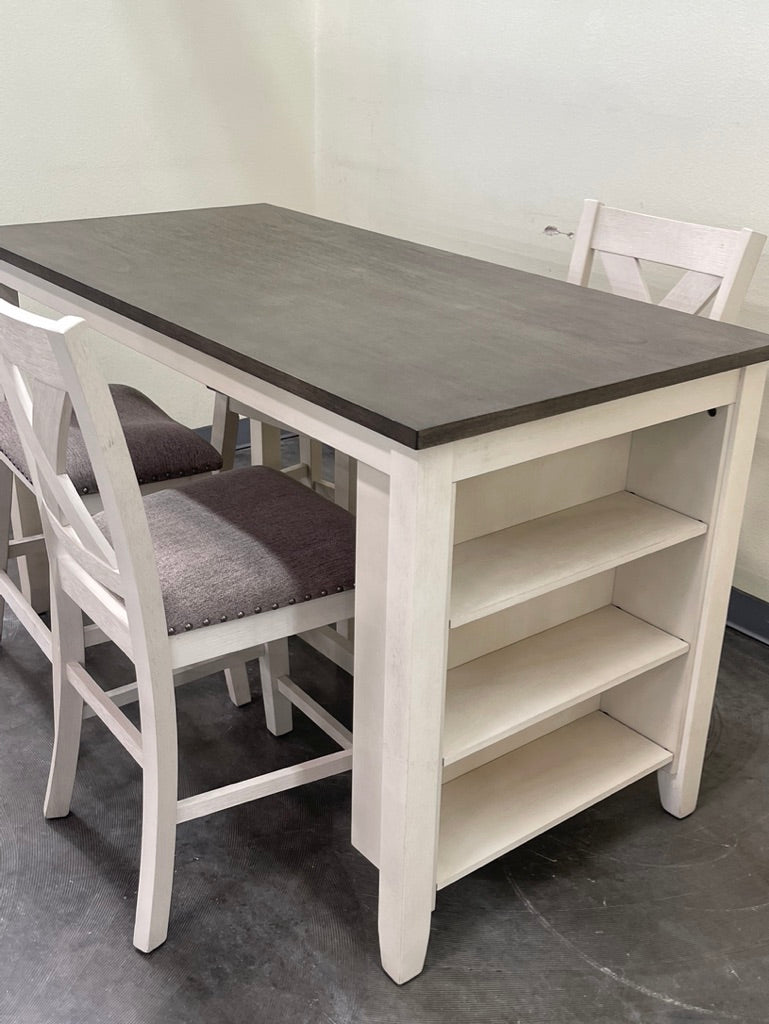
[{"x": 510, "y": 566}]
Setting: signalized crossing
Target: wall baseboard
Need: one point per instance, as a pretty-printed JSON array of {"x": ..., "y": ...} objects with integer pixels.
[{"x": 749, "y": 615}]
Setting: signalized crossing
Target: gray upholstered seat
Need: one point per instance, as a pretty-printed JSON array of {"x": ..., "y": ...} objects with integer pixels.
[
  {"x": 160, "y": 447},
  {"x": 243, "y": 543}
]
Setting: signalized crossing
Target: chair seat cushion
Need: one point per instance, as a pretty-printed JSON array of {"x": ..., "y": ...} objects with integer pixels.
[
  {"x": 245, "y": 542},
  {"x": 160, "y": 447}
]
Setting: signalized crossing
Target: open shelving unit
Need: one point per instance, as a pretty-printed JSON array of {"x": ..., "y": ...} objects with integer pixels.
[{"x": 573, "y": 610}]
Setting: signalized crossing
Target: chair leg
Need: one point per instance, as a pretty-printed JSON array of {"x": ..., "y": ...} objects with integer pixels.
[
  {"x": 33, "y": 569},
  {"x": 265, "y": 445},
  {"x": 238, "y": 686},
  {"x": 224, "y": 430},
  {"x": 68, "y": 646},
  {"x": 311, "y": 454},
  {"x": 277, "y": 708},
  {"x": 6, "y": 493},
  {"x": 159, "y": 809}
]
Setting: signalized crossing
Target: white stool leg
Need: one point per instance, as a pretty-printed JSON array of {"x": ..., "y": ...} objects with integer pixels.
[
  {"x": 159, "y": 808},
  {"x": 68, "y": 646},
  {"x": 33, "y": 568},
  {"x": 277, "y": 708},
  {"x": 237, "y": 684},
  {"x": 224, "y": 430},
  {"x": 6, "y": 493},
  {"x": 265, "y": 445}
]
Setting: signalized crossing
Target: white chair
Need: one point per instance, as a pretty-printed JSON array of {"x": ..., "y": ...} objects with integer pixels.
[
  {"x": 184, "y": 578},
  {"x": 719, "y": 262},
  {"x": 163, "y": 452}
]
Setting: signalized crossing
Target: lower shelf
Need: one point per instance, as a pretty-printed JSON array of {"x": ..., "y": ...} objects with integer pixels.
[{"x": 504, "y": 803}]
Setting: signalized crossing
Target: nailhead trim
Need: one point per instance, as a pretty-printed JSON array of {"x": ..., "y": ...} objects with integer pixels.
[{"x": 241, "y": 614}]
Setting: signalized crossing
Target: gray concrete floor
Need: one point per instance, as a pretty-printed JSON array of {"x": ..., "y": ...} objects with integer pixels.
[{"x": 621, "y": 914}]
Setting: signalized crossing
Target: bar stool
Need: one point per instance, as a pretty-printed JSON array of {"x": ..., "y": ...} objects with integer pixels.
[{"x": 227, "y": 566}]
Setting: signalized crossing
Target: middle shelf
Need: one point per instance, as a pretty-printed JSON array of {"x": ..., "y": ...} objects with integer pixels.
[
  {"x": 513, "y": 688},
  {"x": 501, "y": 569}
]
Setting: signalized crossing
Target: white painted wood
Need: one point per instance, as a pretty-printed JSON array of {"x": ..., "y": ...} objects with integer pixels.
[
  {"x": 46, "y": 369},
  {"x": 624, "y": 276},
  {"x": 6, "y": 496},
  {"x": 220, "y": 639},
  {"x": 653, "y": 704},
  {"x": 29, "y": 545},
  {"x": 536, "y": 488},
  {"x": 482, "y": 636},
  {"x": 494, "y": 809},
  {"x": 67, "y": 648},
  {"x": 104, "y": 708},
  {"x": 33, "y": 567},
  {"x": 718, "y": 261},
  {"x": 277, "y": 708},
  {"x": 420, "y": 536},
  {"x": 677, "y": 463},
  {"x": 371, "y": 568},
  {"x": 238, "y": 687},
  {"x": 489, "y": 452},
  {"x": 224, "y": 430},
  {"x": 265, "y": 785},
  {"x": 679, "y": 788},
  {"x": 692, "y": 293},
  {"x": 325, "y": 721},
  {"x": 345, "y": 481},
  {"x": 517, "y": 686},
  {"x": 520, "y": 739},
  {"x": 265, "y": 444},
  {"x": 25, "y": 614},
  {"x": 332, "y": 645},
  {"x": 514, "y": 565}
]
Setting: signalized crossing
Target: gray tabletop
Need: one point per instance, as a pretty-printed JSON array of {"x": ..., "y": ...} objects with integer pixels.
[{"x": 420, "y": 345}]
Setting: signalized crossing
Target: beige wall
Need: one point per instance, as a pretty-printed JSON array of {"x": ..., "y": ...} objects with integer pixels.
[
  {"x": 122, "y": 106},
  {"x": 474, "y": 124}
]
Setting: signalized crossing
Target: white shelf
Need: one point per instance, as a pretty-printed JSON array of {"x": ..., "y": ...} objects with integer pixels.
[
  {"x": 501, "y": 805},
  {"x": 508, "y": 690},
  {"x": 501, "y": 569}
]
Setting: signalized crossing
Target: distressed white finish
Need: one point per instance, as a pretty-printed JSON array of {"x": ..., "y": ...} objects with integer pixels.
[
  {"x": 46, "y": 370},
  {"x": 719, "y": 262},
  {"x": 513, "y": 798},
  {"x": 513, "y": 565},
  {"x": 517, "y": 686}
]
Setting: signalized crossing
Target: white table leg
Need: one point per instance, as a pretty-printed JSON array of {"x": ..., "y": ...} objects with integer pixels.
[
  {"x": 679, "y": 786},
  {"x": 418, "y": 580}
]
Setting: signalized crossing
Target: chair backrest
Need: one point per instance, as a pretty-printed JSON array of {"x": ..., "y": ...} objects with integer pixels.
[
  {"x": 47, "y": 371},
  {"x": 719, "y": 262}
]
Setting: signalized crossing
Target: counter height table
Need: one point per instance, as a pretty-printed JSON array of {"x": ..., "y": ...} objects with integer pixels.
[{"x": 550, "y": 487}]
